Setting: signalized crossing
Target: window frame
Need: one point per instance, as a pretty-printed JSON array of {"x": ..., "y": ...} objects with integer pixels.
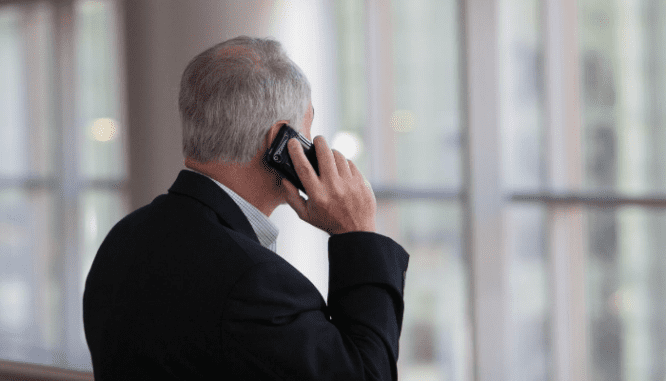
[
  {"x": 563, "y": 198},
  {"x": 483, "y": 225},
  {"x": 65, "y": 184},
  {"x": 485, "y": 207}
]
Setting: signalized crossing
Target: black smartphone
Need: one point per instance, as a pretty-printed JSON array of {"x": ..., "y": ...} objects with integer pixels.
[{"x": 277, "y": 155}]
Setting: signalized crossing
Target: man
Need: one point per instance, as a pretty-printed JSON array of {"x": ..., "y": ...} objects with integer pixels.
[{"x": 189, "y": 287}]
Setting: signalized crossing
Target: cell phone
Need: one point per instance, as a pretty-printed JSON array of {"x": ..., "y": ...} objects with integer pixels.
[{"x": 277, "y": 155}]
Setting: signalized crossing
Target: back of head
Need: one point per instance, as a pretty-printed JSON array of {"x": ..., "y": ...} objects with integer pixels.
[{"x": 231, "y": 94}]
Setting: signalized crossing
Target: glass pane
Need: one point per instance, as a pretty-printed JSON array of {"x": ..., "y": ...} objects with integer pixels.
[
  {"x": 99, "y": 211},
  {"x": 26, "y": 138},
  {"x": 425, "y": 124},
  {"x": 30, "y": 300},
  {"x": 436, "y": 337},
  {"x": 521, "y": 85},
  {"x": 350, "y": 18},
  {"x": 625, "y": 294},
  {"x": 98, "y": 90},
  {"x": 623, "y": 85},
  {"x": 529, "y": 303},
  {"x": 13, "y": 99}
]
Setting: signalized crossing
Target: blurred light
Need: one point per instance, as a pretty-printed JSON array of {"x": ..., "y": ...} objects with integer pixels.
[
  {"x": 103, "y": 129},
  {"x": 348, "y": 144},
  {"x": 92, "y": 225},
  {"x": 622, "y": 301},
  {"x": 403, "y": 121}
]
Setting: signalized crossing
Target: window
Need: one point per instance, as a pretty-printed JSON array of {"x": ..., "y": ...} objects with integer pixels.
[
  {"x": 62, "y": 168},
  {"x": 517, "y": 154},
  {"x": 521, "y": 86},
  {"x": 600, "y": 189},
  {"x": 400, "y": 93},
  {"x": 624, "y": 135},
  {"x": 516, "y": 148}
]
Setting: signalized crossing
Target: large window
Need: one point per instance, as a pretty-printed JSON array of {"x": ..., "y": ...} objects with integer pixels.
[
  {"x": 623, "y": 86},
  {"x": 62, "y": 166},
  {"x": 517, "y": 151},
  {"x": 400, "y": 89},
  {"x": 528, "y": 310}
]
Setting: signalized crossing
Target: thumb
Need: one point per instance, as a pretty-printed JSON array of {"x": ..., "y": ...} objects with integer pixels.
[{"x": 294, "y": 198}]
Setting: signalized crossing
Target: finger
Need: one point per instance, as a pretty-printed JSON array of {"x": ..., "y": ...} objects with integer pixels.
[
  {"x": 327, "y": 167},
  {"x": 341, "y": 164},
  {"x": 352, "y": 168},
  {"x": 369, "y": 186},
  {"x": 294, "y": 199},
  {"x": 303, "y": 168}
]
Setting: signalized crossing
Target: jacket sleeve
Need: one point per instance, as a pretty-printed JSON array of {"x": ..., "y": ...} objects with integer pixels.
[{"x": 277, "y": 322}]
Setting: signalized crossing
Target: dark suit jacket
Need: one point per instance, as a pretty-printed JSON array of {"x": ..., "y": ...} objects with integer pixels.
[{"x": 181, "y": 289}]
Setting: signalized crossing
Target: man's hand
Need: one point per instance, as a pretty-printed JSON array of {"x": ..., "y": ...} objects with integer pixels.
[{"x": 339, "y": 200}]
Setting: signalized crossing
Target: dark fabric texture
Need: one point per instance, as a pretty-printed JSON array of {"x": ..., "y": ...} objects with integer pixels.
[{"x": 181, "y": 289}]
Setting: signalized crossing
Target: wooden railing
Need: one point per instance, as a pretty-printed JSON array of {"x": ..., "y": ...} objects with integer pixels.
[{"x": 17, "y": 371}]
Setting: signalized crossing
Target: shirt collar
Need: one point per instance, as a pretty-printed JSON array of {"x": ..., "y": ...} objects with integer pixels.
[{"x": 263, "y": 227}]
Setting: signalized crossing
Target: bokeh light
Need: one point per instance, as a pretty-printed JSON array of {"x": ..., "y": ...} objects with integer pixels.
[
  {"x": 103, "y": 129},
  {"x": 348, "y": 143},
  {"x": 403, "y": 121}
]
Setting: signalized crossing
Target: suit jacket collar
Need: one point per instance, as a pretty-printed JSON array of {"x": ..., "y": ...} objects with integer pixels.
[{"x": 210, "y": 194}]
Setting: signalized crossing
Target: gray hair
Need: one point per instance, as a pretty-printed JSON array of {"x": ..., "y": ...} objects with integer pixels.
[{"x": 231, "y": 95}]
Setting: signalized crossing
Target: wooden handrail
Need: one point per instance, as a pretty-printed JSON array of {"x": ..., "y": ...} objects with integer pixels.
[{"x": 18, "y": 371}]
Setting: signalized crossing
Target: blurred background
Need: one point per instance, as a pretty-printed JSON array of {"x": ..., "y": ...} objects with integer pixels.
[{"x": 517, "y": 149}]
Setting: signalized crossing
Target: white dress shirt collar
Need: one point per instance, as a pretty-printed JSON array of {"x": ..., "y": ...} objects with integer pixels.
[{"x": 264, "y": 228}]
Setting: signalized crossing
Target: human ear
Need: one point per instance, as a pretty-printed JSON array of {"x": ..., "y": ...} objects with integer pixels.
[{"x": 273, "y": 131}]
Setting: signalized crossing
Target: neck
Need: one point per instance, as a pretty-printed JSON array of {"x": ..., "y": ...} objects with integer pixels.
[{"x": 249, "y": 180}]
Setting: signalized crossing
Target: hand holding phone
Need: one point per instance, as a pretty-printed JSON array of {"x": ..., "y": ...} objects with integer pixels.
[{"x": 339, "y": 200}]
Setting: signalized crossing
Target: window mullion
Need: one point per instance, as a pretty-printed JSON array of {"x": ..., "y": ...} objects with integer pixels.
[
  {"x": 605, "y": 200},
  {"x": 563, "y": 143},
  {"x": 485, "y": 202},
  {"x": 67, "y": 200},
  {"x": 379, "y": 63}
]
